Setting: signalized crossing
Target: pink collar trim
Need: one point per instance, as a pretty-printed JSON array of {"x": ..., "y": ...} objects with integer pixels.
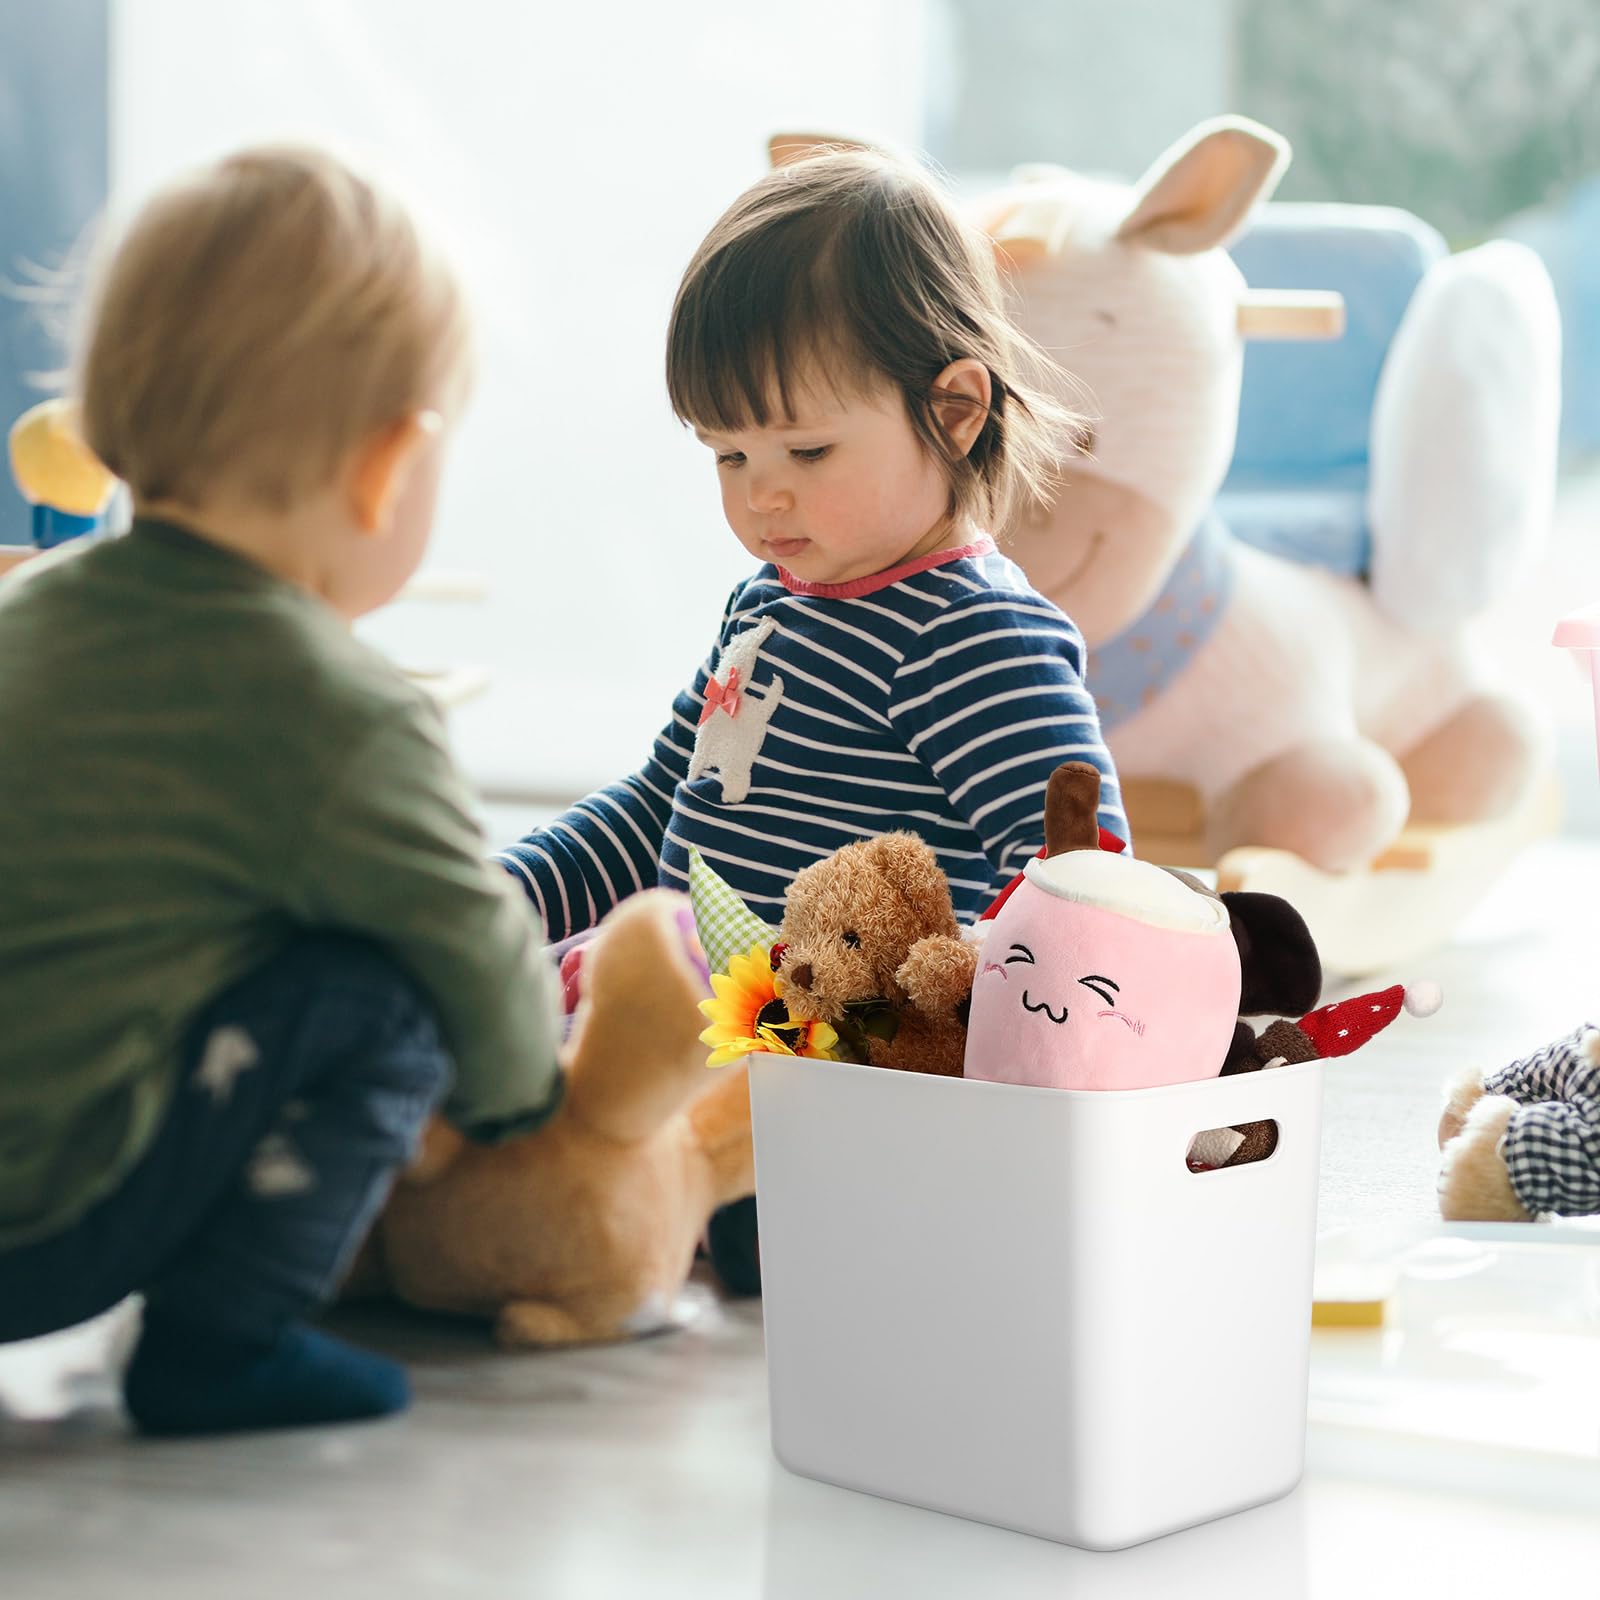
[{"x": 983, "y": 545}]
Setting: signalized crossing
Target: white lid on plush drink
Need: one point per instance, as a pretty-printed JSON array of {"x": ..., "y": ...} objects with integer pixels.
[
  {"x": 1074, "y": 867},
  {"x": 1132, "y": 888}
]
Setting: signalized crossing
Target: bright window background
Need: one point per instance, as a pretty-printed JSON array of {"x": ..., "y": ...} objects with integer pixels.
[{"x": 574, "y": 156}]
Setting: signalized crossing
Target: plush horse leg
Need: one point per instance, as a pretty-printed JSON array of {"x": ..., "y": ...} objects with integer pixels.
[
  {"x": 1334, "y": 802},
  {"x": 1477, "y": 765}
]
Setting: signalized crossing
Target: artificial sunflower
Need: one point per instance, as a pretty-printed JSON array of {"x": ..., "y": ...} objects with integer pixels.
[{"x": 748, "y": 1015}]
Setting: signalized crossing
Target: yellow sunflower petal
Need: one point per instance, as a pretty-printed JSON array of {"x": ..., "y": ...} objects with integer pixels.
[
  {"x": 733, "y": 1051},
  {"x": 822, "y": 1042}
]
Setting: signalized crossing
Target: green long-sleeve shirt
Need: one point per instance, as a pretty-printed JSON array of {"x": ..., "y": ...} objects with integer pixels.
[{"x": 198, "y": 761}]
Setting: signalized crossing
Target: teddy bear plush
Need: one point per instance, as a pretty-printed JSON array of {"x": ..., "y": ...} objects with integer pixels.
[
  {"x": 585, "y": 1229},
  {"x": 870, "y": 945},
  {"x": 1525, "y": 1140},
  {"x": 1307, "y": 709}
]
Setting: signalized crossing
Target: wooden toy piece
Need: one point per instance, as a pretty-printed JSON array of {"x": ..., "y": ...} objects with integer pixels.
[
  {"x": 1291, "y": 314},
  {"x": 1405, "y": 902},
  {"x": 1352, "y": 1294},
  {"x": 57, "y": 473},
  {"x": 1361, "y": 1313},
  {"x": 782, "y": 148}
]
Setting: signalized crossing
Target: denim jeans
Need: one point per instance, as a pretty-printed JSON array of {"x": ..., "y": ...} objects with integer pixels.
[{"x": 302, "y": 1089}]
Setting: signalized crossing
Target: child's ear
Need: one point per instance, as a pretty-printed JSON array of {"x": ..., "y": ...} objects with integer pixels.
[
  {"x": 961, "y": 395},
  {"x": 381, "y": 466}
]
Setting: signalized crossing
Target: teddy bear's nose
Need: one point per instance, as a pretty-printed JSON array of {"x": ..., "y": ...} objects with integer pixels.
[{"x": 801, "y": 976}]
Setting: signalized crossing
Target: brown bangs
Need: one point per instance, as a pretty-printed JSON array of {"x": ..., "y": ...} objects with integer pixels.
[
  {"x": 848, "y": 271},
  {"x": 758, "y": 325}
]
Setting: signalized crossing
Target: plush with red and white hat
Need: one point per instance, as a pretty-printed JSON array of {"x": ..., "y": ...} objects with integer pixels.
[
  {"x": 1339, "y": 1028},
  {"x": 1331, "y": 1030}
]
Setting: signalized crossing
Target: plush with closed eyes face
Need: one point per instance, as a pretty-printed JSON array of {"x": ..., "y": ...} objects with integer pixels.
[
  {"x": 1101, "y": 971},
  {"x": 1075, "y": 995}
]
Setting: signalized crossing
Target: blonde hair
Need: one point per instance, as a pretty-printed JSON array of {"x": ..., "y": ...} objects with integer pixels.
[
  {"x": 260, "y": 318},
  {"x": 854, "y": 266}
]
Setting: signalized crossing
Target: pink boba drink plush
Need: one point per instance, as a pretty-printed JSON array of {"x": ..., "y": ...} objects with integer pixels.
[{"x": 1105, "y": 972}]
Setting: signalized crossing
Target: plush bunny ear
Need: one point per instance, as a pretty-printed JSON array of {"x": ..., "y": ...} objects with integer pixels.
[
  {"x": 782, "y": 148},
  {"x": 1278, "y": 960},
  {"x": 1071, "y": 804},
  {"x": 913, "y": 869},
  {"x": 1199, "y": 193}
]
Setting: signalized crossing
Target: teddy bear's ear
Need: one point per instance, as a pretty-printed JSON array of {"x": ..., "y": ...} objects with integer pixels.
[
  {"x": 913, "y": 869},
  {"x": 1279, "y": 966},
  {"x": 1071, "y": 803}
]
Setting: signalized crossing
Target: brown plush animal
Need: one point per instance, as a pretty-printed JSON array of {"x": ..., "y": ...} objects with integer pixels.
[
  {"x": 585, "y": 1230},
  {"x": 870, "y": 945},
  {"x": 1524, "y": 1141}
]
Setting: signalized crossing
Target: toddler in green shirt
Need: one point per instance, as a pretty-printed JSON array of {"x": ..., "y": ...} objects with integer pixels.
[{"x": 248, "y": 938}]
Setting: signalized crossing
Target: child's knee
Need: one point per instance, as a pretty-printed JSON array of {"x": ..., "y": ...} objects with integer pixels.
[{"x": 357, "y": 1017}]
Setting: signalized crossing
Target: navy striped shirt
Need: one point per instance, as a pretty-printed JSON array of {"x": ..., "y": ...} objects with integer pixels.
[{"x": 937, "y": 697}]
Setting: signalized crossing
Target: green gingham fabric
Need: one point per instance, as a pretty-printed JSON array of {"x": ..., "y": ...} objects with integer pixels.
[{"x": 726, "y": 925}]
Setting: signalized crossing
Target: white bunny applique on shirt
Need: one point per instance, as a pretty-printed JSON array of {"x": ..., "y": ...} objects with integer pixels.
[{"x": 734, "y": 720}]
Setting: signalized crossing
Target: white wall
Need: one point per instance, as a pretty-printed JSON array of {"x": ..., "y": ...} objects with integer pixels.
[{"x": 575, "y": 154}]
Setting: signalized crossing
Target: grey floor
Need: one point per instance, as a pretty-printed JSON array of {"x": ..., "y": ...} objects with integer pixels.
[{"x": 646, "y": 1470}]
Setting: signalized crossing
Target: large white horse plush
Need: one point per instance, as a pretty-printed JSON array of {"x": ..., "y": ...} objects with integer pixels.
[{"x": 1310, "y": 711}]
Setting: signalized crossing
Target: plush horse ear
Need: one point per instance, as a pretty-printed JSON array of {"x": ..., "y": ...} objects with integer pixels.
[
  {"x": 1200, "y": 192},
  {"x": 1279, "y": 966},
  {"x": 1071, "y": 801}
]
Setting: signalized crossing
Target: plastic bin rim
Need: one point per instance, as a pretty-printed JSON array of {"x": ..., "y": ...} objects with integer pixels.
[{"x": 1191, "y": 1087}]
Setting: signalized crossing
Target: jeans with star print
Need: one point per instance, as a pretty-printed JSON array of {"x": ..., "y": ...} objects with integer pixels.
[{"x": 303, "y": 1089}]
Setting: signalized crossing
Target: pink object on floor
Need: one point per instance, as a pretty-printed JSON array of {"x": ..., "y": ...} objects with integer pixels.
[{"x": 1581, "y": 631}]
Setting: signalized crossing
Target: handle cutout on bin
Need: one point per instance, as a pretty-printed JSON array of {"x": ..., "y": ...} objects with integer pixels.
[{"x": 1214, "y": 1149}]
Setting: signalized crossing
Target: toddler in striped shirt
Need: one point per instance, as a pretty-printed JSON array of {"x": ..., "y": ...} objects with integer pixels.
[{"x": 839, "y": 342}]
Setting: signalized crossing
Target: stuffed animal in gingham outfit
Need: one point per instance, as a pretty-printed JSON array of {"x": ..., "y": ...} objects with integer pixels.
[{"x": 1525, "y": 1140}]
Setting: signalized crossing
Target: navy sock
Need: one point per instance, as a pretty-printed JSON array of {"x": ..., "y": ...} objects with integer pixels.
[
  {"x": 185, "y": 1378},
  {"x": 735, "y": 1246}
]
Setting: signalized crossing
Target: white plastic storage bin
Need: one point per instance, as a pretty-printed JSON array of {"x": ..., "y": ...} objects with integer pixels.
[{"x": 1020, "y": 1305}]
